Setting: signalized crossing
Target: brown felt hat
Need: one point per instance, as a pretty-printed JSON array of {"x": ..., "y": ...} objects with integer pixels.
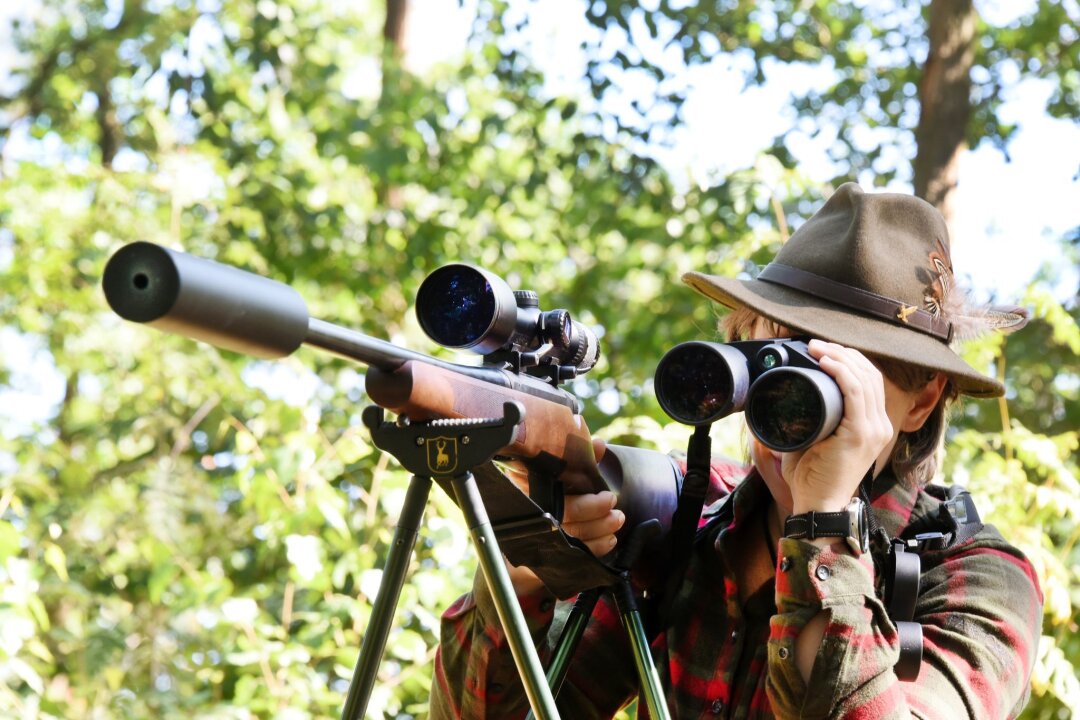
[{"x": 870, "y": 271}]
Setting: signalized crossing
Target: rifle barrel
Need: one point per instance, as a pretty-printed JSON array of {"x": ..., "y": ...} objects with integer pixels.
[{"x": 371, "y": 351}]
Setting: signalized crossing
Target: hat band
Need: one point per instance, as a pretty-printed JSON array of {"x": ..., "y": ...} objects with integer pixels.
[{"x": 894, "y": 311}]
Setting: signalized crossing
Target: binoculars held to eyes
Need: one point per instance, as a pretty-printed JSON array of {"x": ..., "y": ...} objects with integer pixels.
[{"x": 789, "y": 402}]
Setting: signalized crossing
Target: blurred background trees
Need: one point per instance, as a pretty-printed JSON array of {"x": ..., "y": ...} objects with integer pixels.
[{"x": 190, "y": 533}]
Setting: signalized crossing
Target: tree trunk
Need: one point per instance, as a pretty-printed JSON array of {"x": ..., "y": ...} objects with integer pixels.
[
  {"x": 394, "y": 27},
  {"x": 393, "y": 79},
  {"x": 945, "y": 100},
  {"x": 110, "y": 133}
]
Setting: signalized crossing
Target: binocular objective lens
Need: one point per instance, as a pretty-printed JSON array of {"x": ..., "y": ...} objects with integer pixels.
[
  {"x": 455, "y": 306},
  {"x": 785, "y": 410},
  {"x": 694, "y": 386}
]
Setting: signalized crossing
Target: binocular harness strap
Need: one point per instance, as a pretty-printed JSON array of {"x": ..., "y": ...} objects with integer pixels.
[{"x": 903, "y": 571}]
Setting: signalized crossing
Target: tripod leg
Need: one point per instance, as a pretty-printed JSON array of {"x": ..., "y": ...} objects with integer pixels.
[
  {"x": 639, "y": 642},
  {"x": 502, "y": 591},
  {"x": 568, "y": 640},
  {"x": 382, "y": 612}
]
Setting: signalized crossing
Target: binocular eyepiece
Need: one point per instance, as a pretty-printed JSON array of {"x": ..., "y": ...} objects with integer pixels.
[
  {"x": 790, "y": 403},
  {"x": 467, "y": 308}
]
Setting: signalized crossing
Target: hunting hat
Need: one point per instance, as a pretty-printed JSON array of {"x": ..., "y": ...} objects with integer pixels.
[{"x": 871, "y": 271}]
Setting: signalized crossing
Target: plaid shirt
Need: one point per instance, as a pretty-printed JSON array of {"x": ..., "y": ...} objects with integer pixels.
[{"x": 979, "y": 605}]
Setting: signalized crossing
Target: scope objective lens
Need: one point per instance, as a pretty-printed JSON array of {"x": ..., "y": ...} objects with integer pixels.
[{"x": 455, "y": 306}]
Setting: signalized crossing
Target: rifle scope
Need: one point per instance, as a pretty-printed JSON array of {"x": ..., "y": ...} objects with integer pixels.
[
  {"x": 467, "y": 308},
  {"x": 789, "y": 402}
]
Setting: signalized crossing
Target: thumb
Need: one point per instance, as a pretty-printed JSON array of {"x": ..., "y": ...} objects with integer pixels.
[{"x": 599, "y": 448}]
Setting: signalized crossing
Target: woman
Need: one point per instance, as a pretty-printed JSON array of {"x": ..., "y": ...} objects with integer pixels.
[{"x": 771, "y": 620}]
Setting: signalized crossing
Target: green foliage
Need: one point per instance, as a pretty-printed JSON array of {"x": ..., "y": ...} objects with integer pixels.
[
  {"x": 189, "y": 533},
  {"x": 1026, "y": 483}
]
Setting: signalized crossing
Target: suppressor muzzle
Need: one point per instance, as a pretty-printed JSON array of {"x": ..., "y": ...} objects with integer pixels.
[{"x": 205, "y": 300}]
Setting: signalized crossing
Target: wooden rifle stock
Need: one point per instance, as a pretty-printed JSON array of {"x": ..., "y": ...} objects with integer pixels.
[{"x": 550, "y": 430}]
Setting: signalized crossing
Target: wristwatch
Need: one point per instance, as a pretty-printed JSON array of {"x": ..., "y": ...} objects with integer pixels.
[{"x": 849, "y": 524}]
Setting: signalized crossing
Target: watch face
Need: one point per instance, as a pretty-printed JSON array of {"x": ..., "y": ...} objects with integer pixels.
[{"x": 858, "y": 537}]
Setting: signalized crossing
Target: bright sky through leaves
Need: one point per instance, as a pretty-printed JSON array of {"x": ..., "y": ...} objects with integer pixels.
[{"x": 1010, "y": 215}]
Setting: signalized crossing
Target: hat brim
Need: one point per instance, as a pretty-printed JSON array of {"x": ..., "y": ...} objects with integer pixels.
[{"x": 821, "y": 319}]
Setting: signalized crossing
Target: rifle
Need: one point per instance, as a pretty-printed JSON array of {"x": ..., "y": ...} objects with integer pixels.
[{"x": 527, "y": 353}]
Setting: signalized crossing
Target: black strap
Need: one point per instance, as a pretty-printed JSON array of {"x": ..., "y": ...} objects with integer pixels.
[
  {"x": 909, "y": 663},
  {"x": 684, "y": 522},
  {"x": 957, "y": 521},
  {"x": 903, "y": 571},
  {"x": 812, "y": 525}
]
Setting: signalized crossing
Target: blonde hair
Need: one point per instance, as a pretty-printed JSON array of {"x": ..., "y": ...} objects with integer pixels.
[{"x": 914, "y": 458}]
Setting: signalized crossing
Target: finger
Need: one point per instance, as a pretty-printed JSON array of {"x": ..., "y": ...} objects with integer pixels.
[
  {"x": 860, "y": 365},
  {"x": 593, "y": 524},
  {"x": 589, "y": 506},
  {"x": 859, "y": 380},
  {"x": 865, "y": 418},
  {"x": 601, "y": 546},
  {"x": 873, "y": 385},
  {"x": 599, "y": 448},
  {"x": 851, "y": 387},
  {"x": 596, "y": 528},
  {"x": 592, "y": 516}
]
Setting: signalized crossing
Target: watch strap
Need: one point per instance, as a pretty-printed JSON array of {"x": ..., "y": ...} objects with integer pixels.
[{"x": 811, "y": 525}]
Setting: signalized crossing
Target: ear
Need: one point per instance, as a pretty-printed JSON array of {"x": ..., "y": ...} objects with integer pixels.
[{"x": 923, "y": 403}]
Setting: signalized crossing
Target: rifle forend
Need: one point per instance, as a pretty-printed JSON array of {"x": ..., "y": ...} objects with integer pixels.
[{"x": 246, "y": 313}]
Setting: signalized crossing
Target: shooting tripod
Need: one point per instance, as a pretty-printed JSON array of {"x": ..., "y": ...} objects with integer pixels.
[{"x": 453, "y": 452}]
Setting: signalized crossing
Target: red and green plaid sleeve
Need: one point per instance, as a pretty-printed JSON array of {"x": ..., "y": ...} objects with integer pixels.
[
  {"x": 980, "y": 608},
  {"x": 473, "y": 667}
]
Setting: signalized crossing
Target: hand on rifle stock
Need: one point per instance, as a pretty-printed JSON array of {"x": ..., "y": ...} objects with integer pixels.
[{"x": 590, "y": 517}]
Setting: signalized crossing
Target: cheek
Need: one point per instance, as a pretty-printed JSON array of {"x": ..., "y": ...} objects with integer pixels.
[{"x": 897, "y": 406}]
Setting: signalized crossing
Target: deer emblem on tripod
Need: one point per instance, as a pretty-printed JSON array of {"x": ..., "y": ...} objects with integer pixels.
[{"x": 442, "y": 455}]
